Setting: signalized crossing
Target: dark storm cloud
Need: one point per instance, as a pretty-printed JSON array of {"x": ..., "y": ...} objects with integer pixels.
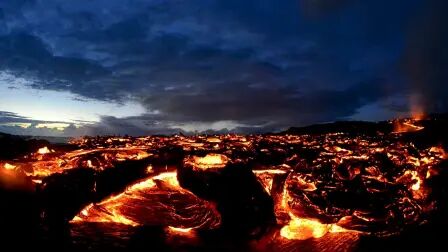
[
  {"x": 10, "y": 117},
  {"x": 7, "y": 117},
  {"x": 261, "y": 105},
  {"x": 27, "y": 56},
  {"x": 259, "y": 63},
  {"x": 137, "y": 126}
]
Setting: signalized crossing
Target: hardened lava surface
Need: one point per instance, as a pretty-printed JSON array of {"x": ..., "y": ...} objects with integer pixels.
[{"x": 275, "y": 192}]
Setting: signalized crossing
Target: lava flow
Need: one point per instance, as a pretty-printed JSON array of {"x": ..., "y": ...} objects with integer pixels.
[
  {"x": 303, "y": 186},
  {"x": 158, "y": 200}
]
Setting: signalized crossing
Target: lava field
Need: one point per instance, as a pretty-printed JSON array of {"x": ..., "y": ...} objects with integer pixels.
[{"x": 337, "y": 187}]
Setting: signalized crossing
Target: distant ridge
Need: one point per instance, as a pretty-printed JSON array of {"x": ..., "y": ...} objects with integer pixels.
[
  {"x": 354, "y": 127},
  {"x": 12, "y": 146}
]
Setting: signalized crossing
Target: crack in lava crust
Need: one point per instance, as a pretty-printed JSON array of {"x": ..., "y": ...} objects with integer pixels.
[{"x": 158, "y": 200}]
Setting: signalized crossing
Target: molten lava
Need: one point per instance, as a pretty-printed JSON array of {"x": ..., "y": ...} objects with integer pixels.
[
  {"x": 315, "y": 185},
  {"x": 8, "y": 166},
  {"x": 210, "y": 161},
  {"x": 303, "y": 229},
  {"x": 406, "y": 125},
  {"x": 158, "y": 200},
  {"x": 43, "y": 150}
]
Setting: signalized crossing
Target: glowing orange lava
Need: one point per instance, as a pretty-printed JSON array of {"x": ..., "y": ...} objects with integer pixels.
[
  {"x": 156, "y": 197},
  {"x": 406, "y": 125},
  {"x": 44, "y": 150},
  {"x": 210, "y": 161},
  {"x": 297, "y": 171},
  {"x": 8, "y": 166}
]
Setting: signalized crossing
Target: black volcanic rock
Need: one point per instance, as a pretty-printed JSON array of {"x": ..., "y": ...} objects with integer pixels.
[
  {"x": 19, "y": 206},
  {"x": 115, "y": 179},
  {"x": 63, "y": 195},
  {"x": 15, "y": 146},
  {"x": 245, "y": 207},
  {"x": 351, "y": 127}
]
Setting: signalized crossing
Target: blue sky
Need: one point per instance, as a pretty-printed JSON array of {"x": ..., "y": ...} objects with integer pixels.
[{"x": 140, "y": 67}]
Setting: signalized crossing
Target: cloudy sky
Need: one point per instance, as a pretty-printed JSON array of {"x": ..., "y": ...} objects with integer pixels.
[{"x": 70, "y": 68}]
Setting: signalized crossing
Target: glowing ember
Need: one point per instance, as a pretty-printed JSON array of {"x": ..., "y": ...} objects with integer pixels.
[
  {"x": 210, "y": 161},
  {"x": 271, "y": 171},
  {"x": 9, "y": 166},
  {"x": 149, "y": 169},
  {"x": 266, "y": 177},
  {"x": 180, "y": 230},
  {"x": 168, "y": 177},
  {"x": 416, "y": 185},
  {"x": 412, "y": 178},
  {"x": 213, "y": 140},
  {"x": 302, "y": 229},
  {"x": 439, "y": 151},
  {"x": 44, "y": 150}
]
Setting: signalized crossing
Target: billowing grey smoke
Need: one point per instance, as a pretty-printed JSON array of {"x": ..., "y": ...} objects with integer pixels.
[{"x": 426, "y": 58}]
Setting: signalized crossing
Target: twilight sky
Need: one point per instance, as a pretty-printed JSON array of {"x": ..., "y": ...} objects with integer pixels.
[{"x": 69, "y": 68}]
